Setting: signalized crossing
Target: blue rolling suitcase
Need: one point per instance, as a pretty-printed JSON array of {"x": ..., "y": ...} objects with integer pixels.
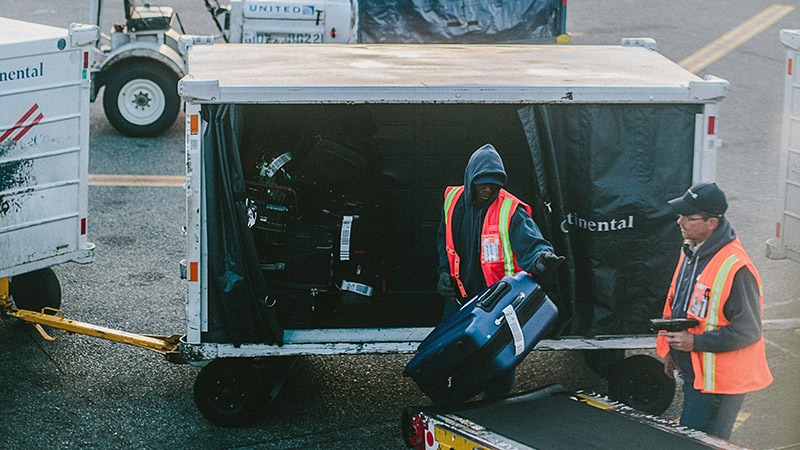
[{"x": 488, "y": 336}]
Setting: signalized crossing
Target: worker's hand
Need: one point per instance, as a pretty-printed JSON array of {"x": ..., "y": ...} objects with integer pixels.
[
  {"x": 445, "y": 286},
  {"x": 680, "y": 340},
  {"x": 669, "y": 366},
  {"x": 548, "y": 261}
]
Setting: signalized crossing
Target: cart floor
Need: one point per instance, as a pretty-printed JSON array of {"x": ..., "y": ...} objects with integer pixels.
[{"x": 346, "y": 310}]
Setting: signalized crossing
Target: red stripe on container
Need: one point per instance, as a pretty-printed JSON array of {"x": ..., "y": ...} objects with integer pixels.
[
  {"x": 28, "y": 128},
  {"x": 20, "y": 121}
]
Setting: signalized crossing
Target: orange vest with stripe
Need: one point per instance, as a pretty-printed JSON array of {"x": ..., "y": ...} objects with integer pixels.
[
  {"x": 734, "y": 372},
  {"x": 497, "y": 257}
]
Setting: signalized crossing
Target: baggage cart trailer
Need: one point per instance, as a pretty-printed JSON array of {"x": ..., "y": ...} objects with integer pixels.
[
  {"x": 595, "y": 138},
  {"x": 786, "y": 243},
  {"x": 44, "y": 155}
]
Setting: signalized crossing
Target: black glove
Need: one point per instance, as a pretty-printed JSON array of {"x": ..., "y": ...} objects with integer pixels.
[
  {"x": 445, "y": 286},
  {"x": 548, "y": 261}
]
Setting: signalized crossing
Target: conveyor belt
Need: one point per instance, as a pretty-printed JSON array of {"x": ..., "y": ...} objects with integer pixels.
[{"x": 562, "y": 422}]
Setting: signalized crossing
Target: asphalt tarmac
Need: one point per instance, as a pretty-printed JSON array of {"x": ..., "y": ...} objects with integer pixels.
[{"x": 82, "y": 392}]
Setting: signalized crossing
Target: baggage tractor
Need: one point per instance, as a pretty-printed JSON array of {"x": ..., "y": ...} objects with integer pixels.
[{"x": 488, "y": 336}]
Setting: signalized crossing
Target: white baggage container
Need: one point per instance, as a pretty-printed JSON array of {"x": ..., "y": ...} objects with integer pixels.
[
  {"x": 44, "y": 145},
  {"x": 786, "y": 244},
  {"x": 428, "y": 108}
]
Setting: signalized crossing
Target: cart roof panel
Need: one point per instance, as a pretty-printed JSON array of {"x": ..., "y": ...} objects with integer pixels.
[
  {"x": 16, "y": 31},
  {"x": 241, "y": 73}
]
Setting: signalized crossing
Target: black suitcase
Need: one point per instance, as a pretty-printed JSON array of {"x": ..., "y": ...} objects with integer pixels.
[
  {"x": 302, "y": 262},
  {"x": 488, "y": 336},
  {"x": 271, "y": 210},
  {"x": 338, "y": 165}
]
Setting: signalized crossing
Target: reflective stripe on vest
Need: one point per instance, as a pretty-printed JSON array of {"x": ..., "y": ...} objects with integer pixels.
[
  {"x": 451, "y": 196},
  {"x": 713, "y": 320},
  {"x": 503, "y": 225},
  {"x": 498, "y": 216}
]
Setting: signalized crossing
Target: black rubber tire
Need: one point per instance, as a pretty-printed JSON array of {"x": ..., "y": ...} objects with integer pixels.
[
  {"x": 155, "y": 75},
  {"x": 36, "y": 290},
  {"x": 407, "y": 425},
  {"x": 604, "y": 362},
  {"x": 229, "y": 392},
  {"x": 640, "y": 382}
]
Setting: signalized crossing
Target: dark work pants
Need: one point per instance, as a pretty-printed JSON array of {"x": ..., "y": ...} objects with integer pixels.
[
  {"x": 714, "y": 414},
  {"x": 499, "y": 385}
]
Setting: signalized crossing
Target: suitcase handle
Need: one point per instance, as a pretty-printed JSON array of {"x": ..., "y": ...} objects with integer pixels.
[
  {"x": 489, "y": 299},
  {"x": 514, "y": 304}
]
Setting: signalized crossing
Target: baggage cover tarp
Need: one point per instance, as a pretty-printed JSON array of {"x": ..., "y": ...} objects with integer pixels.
[
  {"x": 605, "y": 173},
  {"x": 459, "y": 21},
  {"x": 236, "y": 286}
]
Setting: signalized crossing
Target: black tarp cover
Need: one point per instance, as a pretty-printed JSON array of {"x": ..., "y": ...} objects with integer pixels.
[
  {"x": 237, "y": 291},
  {"x": 460, "y": 21},
  {"x": 604, "y": 173}
]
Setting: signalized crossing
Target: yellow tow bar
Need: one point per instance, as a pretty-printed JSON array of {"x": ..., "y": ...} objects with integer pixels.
[{"x": 54, "y": 318}]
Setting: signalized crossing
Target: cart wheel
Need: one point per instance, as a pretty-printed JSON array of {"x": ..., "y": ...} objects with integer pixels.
[
  {"x": 228, "y": 392},
  {"x": 36, "y": 290},
  {"x": 640, "y": 382},
  {"x": 604, "y": 362},
  {"x": 141, "y": 99}
]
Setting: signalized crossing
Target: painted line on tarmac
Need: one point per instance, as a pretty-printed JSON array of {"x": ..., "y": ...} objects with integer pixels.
[
  {"x": 784, "y": 350},
  {"x": 740, "y": 419},
  {"x": 137, "y": 180},
  {"x": 729, "y": 41},
  {"x": 787, "y": 447},
  {"x": 788, "y": 302}
]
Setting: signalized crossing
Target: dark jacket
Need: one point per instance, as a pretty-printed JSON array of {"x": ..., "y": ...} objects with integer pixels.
[
  {"x": 526, "y": 238},
  {"x": 742, "y": 309}
]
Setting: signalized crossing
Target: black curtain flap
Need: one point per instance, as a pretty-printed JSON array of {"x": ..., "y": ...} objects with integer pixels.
[
  {"x": 549, "y": 208},
  {"x": 605, "y": 173},
  {"x": 238, "y": 311}
]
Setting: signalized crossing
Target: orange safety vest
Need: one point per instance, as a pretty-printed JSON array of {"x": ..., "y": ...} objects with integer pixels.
[
  {"x": 497, "y": 257},
  {"x": 734, "y": 372}
]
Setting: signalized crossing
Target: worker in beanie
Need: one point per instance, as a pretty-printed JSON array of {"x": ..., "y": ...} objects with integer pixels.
[
  {"x": 716, "y": 283},
  {"x": 473, "y": 254}
]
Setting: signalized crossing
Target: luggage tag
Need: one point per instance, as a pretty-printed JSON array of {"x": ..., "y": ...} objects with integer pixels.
[
  {"x": 358, "y": 288},
  {"x": 269, "y": 170},
  {"x": 252, "y": 212},
  {"x": 344, "y": 238},
  {"x": 510, "y": 316},
  {"x": 516, "y": 329}
]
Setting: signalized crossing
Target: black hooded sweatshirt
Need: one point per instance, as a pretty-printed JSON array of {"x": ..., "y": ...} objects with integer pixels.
[{"x": 526, "y": 238}]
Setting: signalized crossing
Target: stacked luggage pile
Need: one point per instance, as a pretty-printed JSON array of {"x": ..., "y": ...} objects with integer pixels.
[{"x": 316, "y": 215}]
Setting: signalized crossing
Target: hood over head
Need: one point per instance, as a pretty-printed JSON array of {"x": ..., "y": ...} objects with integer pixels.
[{"x": 484, "y": 166}]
